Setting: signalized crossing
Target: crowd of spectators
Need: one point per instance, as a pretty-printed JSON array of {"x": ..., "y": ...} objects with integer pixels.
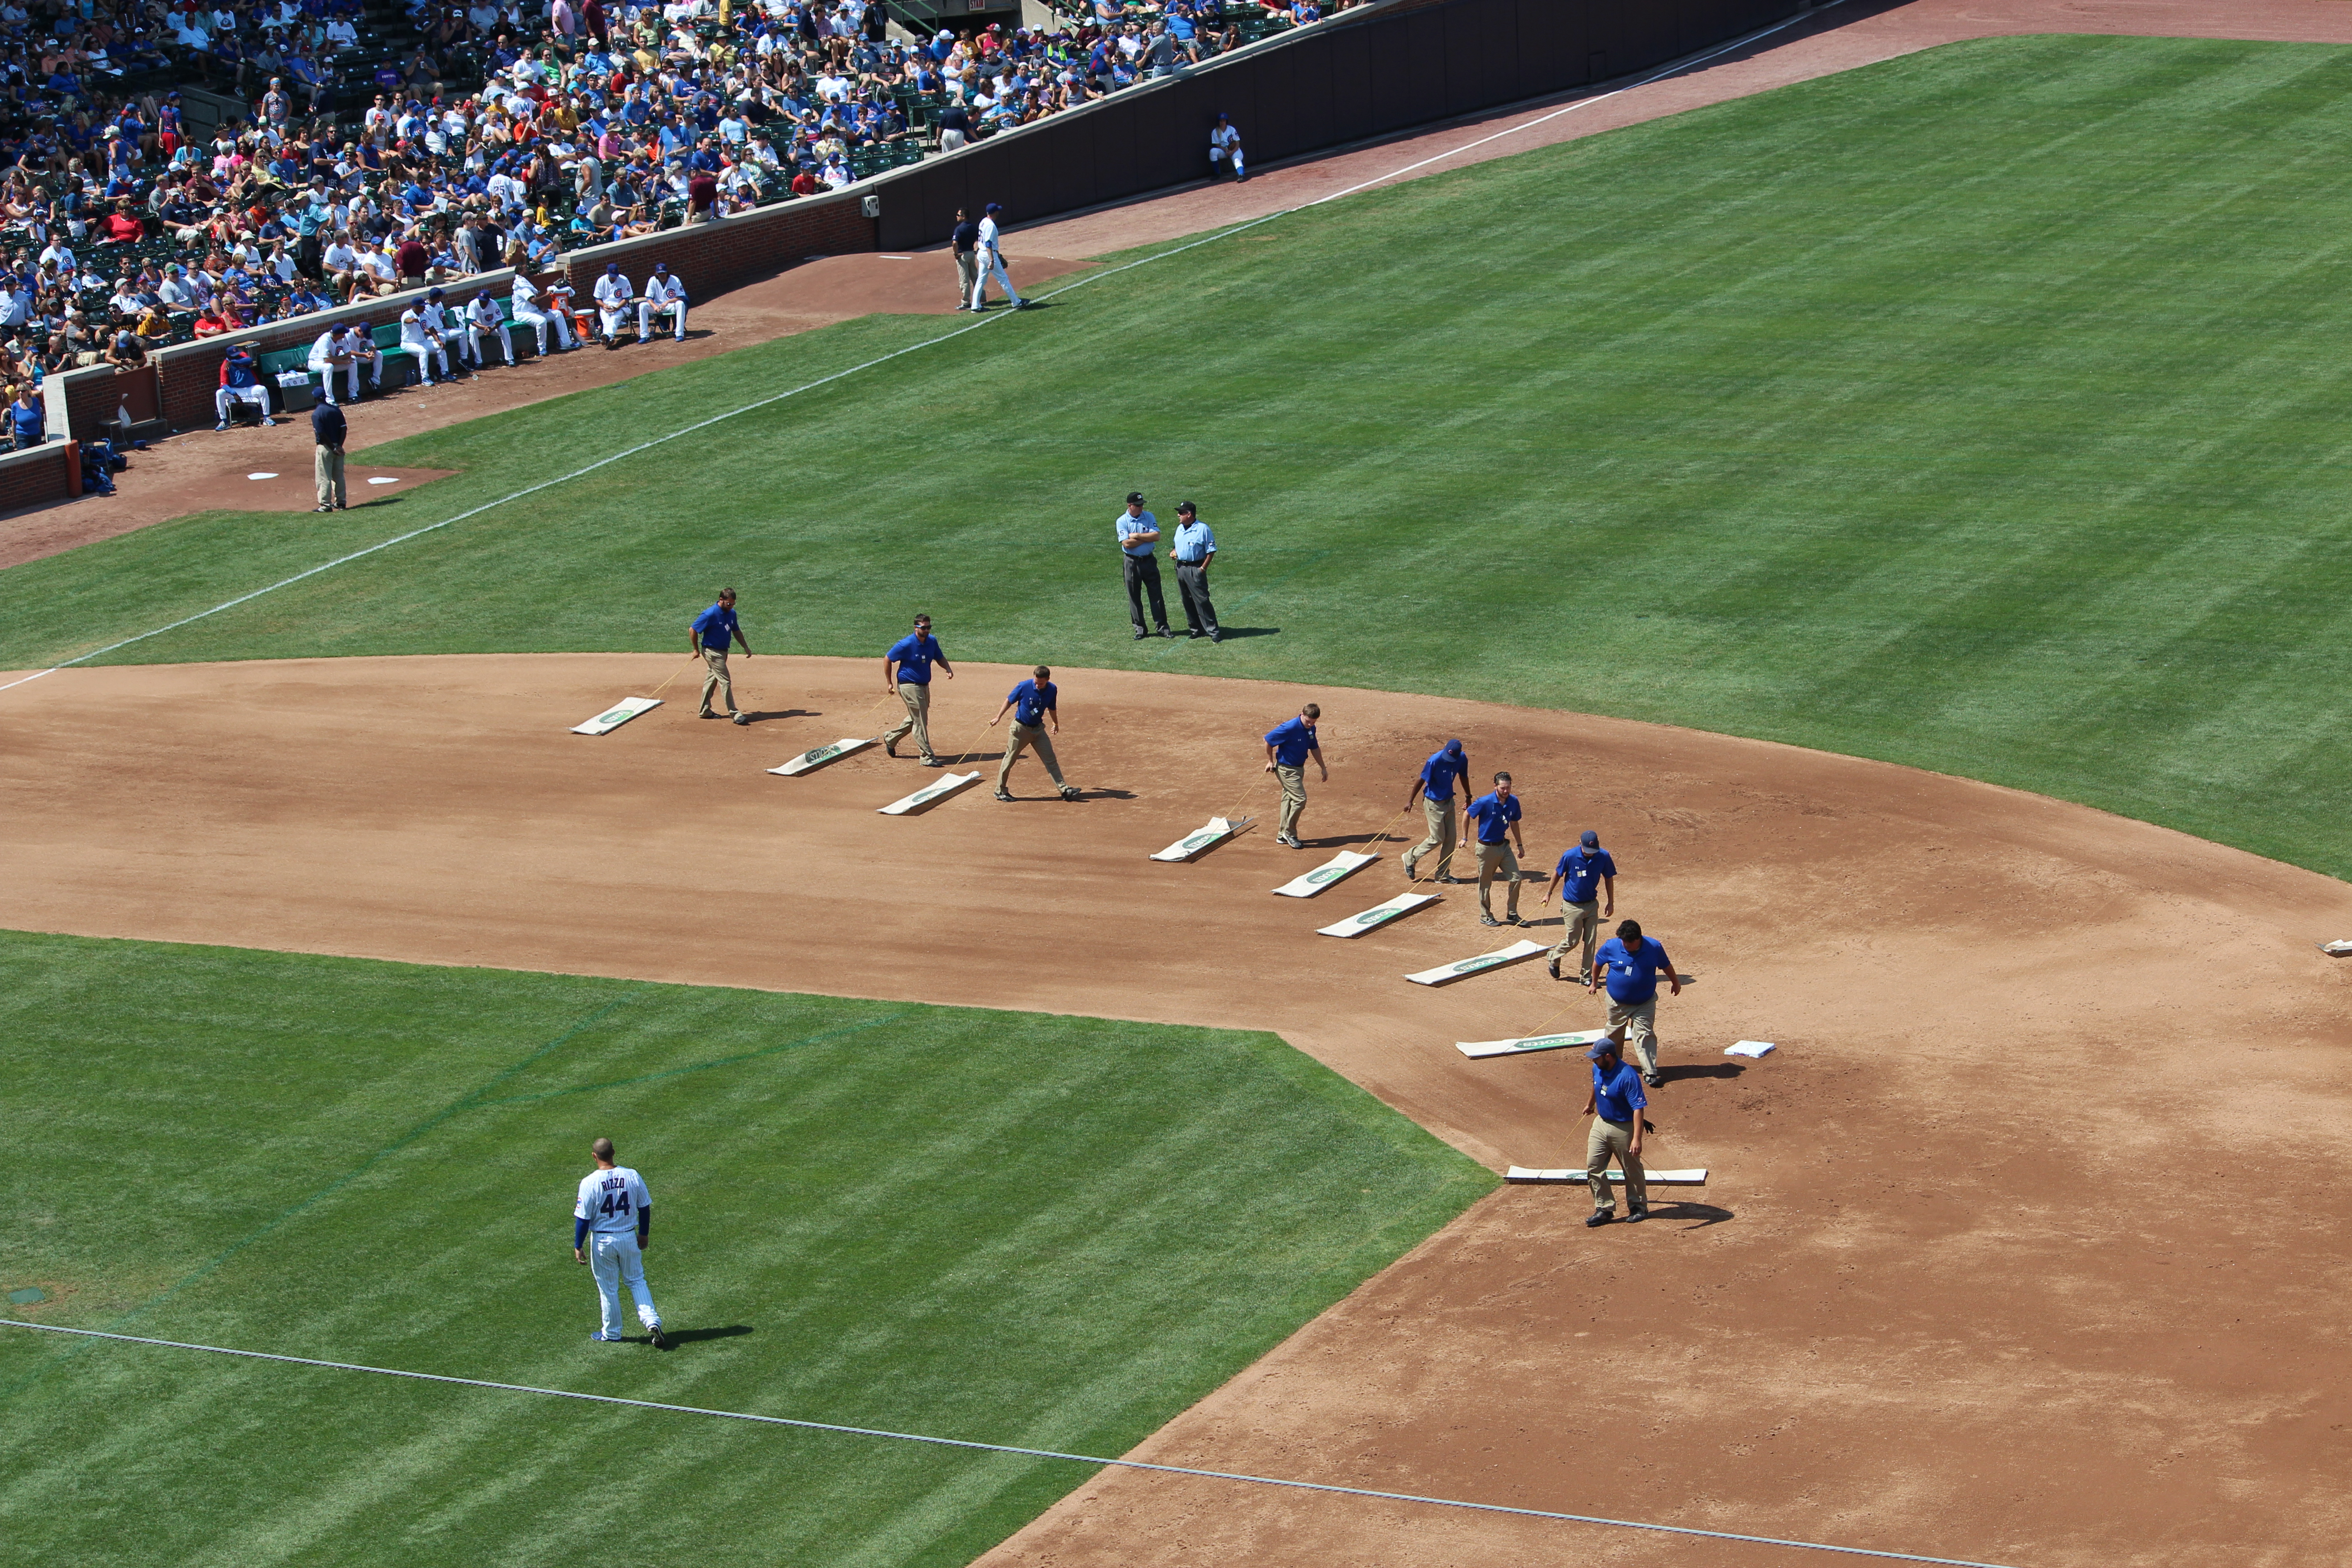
[{"x": 495, "y": 136}]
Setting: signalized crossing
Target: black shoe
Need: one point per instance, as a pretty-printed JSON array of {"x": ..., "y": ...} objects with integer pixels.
[
  {"x": 1603, "y": 1217},
  {"x": 1635, "y": 1217},
  {"x": 661, "y": 1341},
  {"x": 889, "y": 748},
  {"x": 1488, "y": 920},
  {"x": 1003, "y": 795},
  {"x": 1451, "y": 882},
  {"x": 1554, "y": 967},
  {"x": 1193, "y": 634},
  {"x": 1141, "y": 635},
  {"x": 1069, "y": 792},
  {"x": 1512, "y": 920},
  {"x": 1164, "y": 632},
  {"x": 1216, "y": 637},
  {"x": 1655, "y": 1080}
]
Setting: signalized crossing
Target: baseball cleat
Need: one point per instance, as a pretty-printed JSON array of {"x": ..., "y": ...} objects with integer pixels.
[
  {"x": 1069, "y": 792},
  {"x": 661, "y": 1341},
  {"x": 1655, "y": 1080}
]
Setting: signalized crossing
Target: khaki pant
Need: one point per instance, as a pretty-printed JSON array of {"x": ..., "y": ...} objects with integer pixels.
[
  {"x": 717, "y": 680},
  {"x": 1439, "y": 815},
  {"x": 917, "y": 696},
  {"x": 1293, "y": 799},
  {"x": 1583, "y": 925},
  {"x": 967, "y": 275},
  {"x": 328, "y": 469},
  {"x": 1025, "y": 736},
  {"x": 1497, "y": 861},
  {"x": 1638, "y": 1025},
  {"x": 1610, "y": 1139}
]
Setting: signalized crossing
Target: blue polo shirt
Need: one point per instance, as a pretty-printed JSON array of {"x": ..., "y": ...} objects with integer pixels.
[
  {"x": 1031, "y": 701},
  {"x": 1617, "y": 1096},
  {"x": 1632, "y": 976},
  {"x": 1493, "y": 816},
  {"x": 1579, "y": 873},
  {"x": 1142, "y": 523},
  {"x": 716, "y": 626},
  {"x": 913, "y": 655},
  {"x": 1291, "y": 740},
  {"x": 1438, "y": 773}
]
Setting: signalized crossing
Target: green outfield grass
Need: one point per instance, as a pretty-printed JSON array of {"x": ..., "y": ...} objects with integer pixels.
[
  {"x": 1048, "y": 1232},
  {"x": 1983, "y": 410}
]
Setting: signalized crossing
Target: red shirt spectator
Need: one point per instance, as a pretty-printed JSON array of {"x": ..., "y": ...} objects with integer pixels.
[
  {"x": 806, "y": 183},
  {"x": 701, "y": 192},
  {"x": 412, "y": 258}
]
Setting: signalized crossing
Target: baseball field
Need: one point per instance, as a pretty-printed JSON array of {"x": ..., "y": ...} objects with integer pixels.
[{"x": 1902, "y": 513}]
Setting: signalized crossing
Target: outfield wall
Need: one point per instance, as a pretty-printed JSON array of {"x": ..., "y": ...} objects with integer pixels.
[{"x": 1358, "y": 76}]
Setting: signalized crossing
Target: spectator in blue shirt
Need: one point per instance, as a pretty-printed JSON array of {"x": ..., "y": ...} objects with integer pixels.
[
  {"x": 1033, "y": 706},
  {"x": 1615, "y": 1105},
  {"x": 1287, "y": 746},
  {"x": 907, "y": 675},
  {"x": 712, "y": 632},
  {"x": 1585, "y": 870},
  {"x": 1446, "y": 767},
  {"x": 1495, "y": 822},
  {"x": 1632, "y": 963},
  {"x": 27, "y": 424}
]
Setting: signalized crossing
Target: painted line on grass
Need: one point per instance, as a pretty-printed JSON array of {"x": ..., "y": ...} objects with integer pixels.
[
  {"x": 1659, "y": 75},
  {"x": 1009, "y": 1448}
]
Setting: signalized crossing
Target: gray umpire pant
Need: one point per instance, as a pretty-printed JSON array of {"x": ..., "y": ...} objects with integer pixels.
[
  {"x": 1193, "y": 587},
  {"x": 1143, "y": 577}
]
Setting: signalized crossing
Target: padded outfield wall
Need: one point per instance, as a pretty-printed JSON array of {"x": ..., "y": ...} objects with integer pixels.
[{"x": 1365, "y": 74}]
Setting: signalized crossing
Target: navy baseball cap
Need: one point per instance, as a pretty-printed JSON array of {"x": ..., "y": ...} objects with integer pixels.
[
  {"x": 1590, "y": 840},
  {"x": 993, "y": 207},
  {"x": 1454, "y": 747},
  {"x": 1607, "y": 1045}
]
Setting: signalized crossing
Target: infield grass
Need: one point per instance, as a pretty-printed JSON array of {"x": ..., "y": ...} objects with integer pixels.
[
  {"x": 1981, "y": 410},
  {"x": 1041, "y": 1231}
]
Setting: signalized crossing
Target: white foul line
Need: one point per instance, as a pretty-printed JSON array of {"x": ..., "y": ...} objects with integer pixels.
[
  {"x": 1007, "y": 1448},
  {"x": 1659, "y": 75}
]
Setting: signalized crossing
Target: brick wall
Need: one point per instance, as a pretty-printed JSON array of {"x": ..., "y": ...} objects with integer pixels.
[{"x": 48, "y": 472}]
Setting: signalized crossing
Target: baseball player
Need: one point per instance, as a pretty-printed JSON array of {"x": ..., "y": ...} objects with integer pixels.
[
  {"x": 1492, "y": 820},
  {"x": 1631, "y": 963},
  {"x": 1032, "y": 705},
  {"x": 991, "y": 263},
  {"x": 334, "y": 350},
  {"x": 240, "y": 381},
  {"x": 526, "y": 298},
  {"x": 1446, "y": 767},
  {"x": 709, "y": 635},
  {"x": 1586, "y": 869},
  {"x": 482, "y": 320},
  {"x": 907, "y": 675},
  {"x": 664, "y": 296},
  {"x": 1287, "y": 746},
  {"x": 610, "y": 1225},
  {"x": 615, "y": 294},
  {"x": 439, "y": 320},
  {"x": 422, "y": 343},
  {"x": 1224, "y": 150}
]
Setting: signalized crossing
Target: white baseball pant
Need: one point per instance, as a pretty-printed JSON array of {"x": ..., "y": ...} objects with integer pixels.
[
  {"x": 649, "y": 316},
  {"x": 424, "y": 354},
  {"x": 325, "y": 371},
  {"x": 256, "y": 394},
  {"x": 613, "y": 1258},
  {"x": 992, "y": 266},
  {"x": 537, "y": 320},
  {"x": 474, "y": 335}
]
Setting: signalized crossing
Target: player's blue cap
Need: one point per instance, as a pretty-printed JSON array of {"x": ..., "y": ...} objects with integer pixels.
[
  {"x": 433, "y": 294},
  {"x": 993, "y": 207},
  {"x": 1590, "y": 840},
  {"x": 661, "y": 266},
  {"x": 612, "y": 269}
]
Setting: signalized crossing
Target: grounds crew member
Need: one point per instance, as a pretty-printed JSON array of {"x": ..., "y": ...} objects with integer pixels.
[
  {"x": 1032, "y": 704},
  {"x": 1493, "y": 819},
  {"x": 1434, "y": 789},
  {"x": 1287, "y": 746},
  {"x": 1631, "y": 963},
  {"x": 907, "y": 675},
  {"x": 1615, "y": 1105},
  {"x": 1194, "y": 552},
  {"x": 1587, "y": 868},
  {"x": 709, "y": 635},
  {"x": 1139, "y": 531}
]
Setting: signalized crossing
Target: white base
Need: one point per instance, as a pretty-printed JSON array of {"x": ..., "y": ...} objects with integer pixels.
[
  {"x": 2335, "y": 949},
  {"x": 1750, "y": 1048},
  {"x": 1214, "y": 833},
  {"x": 1337, "y": 869},
  {"x": 618, "y": 714},
  {"x": 1377, "y": 915},
  {"x": 1651, "y": 1178},
  {"x": 1519, "y": 952},
  {"x": 817, "y": 757},
  {"x": 925, "y": 796},
  {"x": 1526, "y": 1043}
]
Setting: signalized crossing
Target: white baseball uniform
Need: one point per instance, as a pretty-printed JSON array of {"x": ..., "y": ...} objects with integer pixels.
[
  {"x": 419, "y": 343},
  {"x": 992, "y": 261},
  {"x": 614, "y": 292},
  {"x": 482, "y": 320},
  {"x": 613, "y": 1204},
  {"x": 324, "y": 353},
  {"x": 527, "y": 311},
  {"x": 664, "y": 295}
]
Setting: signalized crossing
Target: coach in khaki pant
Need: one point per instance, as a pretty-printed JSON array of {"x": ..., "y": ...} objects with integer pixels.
[
  {"x": 709, "y": 635},
  {"x": 1615, "y": 1105},
  {"x": 1435, "y": 790}
]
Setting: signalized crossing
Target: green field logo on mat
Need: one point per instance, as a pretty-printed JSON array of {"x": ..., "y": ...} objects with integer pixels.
[
  {"x": 1368, "y": 916},
  {"x": 1325, "y": 874},
  {"x": 1467, "y": 965},
  {"x": 820, "y": 755},
  {"x": 1197, "y": 840},
  {"x": 615, "y": 717}
]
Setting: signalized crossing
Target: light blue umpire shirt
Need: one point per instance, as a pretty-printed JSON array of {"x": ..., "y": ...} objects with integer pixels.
[
  {"x": 1129, "y": 527},
  {"x": 1194, "y": 542}
]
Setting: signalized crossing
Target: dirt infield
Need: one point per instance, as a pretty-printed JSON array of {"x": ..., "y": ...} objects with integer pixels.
[{"x": 2026, "y": 1246}]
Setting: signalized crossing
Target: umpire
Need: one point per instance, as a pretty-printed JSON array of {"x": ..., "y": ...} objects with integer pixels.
[
  {"x": 1139, "y": 531},
  {"x": 1194, "y": 552}
]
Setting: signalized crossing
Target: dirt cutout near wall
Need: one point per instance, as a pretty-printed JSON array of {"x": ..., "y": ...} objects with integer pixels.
[{"x": 2026, "y": 1246}]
